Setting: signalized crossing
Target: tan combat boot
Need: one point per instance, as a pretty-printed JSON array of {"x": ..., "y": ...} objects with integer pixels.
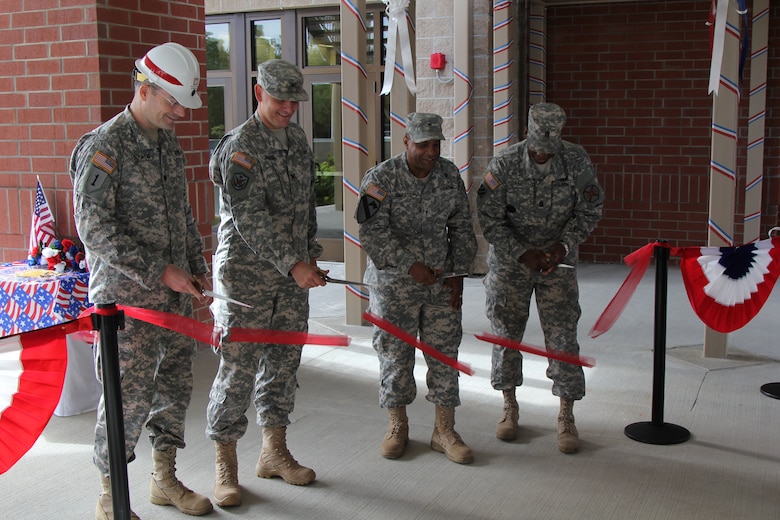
[
  {"x": 276, "y": 461},
  {"x": 166, "y": 490},
  {"x": 446, "y": 440},
  {"x": 227, "y": 492},
  {"x": 397, "y": 436},
  {"x": 105, "y": 506},
  {"x": 506, "y": 430},
  {"x": 568, "y": 438}
]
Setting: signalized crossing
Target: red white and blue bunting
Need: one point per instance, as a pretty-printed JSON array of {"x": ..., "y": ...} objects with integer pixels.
[{"x": 727, "y": 286}]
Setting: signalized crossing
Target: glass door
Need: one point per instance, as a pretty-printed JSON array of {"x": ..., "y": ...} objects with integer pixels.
[{"x": 323, "y": 125}]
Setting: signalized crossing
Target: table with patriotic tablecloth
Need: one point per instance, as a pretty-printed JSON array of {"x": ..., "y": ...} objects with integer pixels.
[{"x": 32, "y": 297}]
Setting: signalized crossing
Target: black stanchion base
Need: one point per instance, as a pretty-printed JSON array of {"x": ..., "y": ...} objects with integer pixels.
[
  {"x": 771, "y": 389},
  {"x": 650, "y": 433}
]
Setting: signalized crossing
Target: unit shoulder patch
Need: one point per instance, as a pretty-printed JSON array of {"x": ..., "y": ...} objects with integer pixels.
[
  {"x": 95, "y": 181},
  {"x": 592, "y": 193},
  {"x": 369, "y": 203}
]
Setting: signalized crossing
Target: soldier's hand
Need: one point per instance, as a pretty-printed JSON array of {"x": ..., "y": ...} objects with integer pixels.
[
  {"x": 536, "y": 260},
  {"x": 181, "y": 281},
  {"x": 307, "y": 275},
  {"x": 455, "y": 284},
  {"x": 423, "y": 274},
  {"x": 557, "y": 253}
]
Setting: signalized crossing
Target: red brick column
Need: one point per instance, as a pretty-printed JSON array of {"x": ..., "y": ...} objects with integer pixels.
[{"x": 63, "y": 71}]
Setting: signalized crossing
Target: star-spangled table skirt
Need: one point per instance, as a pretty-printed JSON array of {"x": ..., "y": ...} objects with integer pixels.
[{"x": 31, "y": 298}]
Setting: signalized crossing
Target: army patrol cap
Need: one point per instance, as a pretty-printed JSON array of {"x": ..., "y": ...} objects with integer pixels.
[
  {"x": 545, "y": 123},
  {"x": 282, "y": 80},
  {"x": 422, "y": 127}
]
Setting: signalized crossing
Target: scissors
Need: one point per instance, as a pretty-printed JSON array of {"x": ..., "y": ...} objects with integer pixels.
[
  {"x": 345, "y": 282},
  {"x": 212, "y": 294},
  {"x": 444, "y": 276}
]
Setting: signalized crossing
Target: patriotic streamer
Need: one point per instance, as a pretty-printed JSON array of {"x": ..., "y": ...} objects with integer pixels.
[
  {"x": 582, "y": 361},
  {"x": 537, "y": 54},
  {"x": 502, "y": 73},
  {"x": 463, "y": 140},
  {"x": 416, "y": 343},
  {"x": 352, "y": 8},
  {"x": 756, "y": 121},
  {"x": 398, "y": 27}
]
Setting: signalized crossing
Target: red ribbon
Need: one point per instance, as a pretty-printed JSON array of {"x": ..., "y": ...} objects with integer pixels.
[
  {"x": 413, "y": 341},
  {"x": 548, "y": 353},
  {"x": 208, "y": 334},
  {"x": 640, "y": 259}
]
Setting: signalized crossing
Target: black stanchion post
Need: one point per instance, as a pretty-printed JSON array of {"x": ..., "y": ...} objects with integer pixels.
[
  {"x": 107, "y": 319},
  {"x": 657, "y": 431}
]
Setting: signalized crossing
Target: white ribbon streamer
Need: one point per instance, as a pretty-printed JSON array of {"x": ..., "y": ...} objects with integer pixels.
[
  {"x": 396, "y": 11},
  {"x": 718, "y": 43}
]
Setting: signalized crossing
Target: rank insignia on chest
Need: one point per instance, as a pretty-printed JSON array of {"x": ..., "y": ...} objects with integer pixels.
[
  {"x": 104, "y": 162},
  {"x": 243, "y": 160}
]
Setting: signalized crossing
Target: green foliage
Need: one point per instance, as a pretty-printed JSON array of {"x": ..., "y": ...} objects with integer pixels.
[
  {"x": 217, "y": 56},
  {"x": 324, "y": 184}
]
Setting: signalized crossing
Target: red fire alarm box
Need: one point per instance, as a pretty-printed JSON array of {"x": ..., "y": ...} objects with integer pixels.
[{"x": 437, "y": 61}]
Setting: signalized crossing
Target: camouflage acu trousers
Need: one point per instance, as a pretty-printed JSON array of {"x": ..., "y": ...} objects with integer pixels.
[
  {"x": 422, "y": 311},
  {"x": 508, "y": 299},
  {"x": 155, "y": 367},
  {"x": 264, "y": 372}
]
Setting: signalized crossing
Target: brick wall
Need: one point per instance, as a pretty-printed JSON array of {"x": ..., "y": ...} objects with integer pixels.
[
  {"x": 64, "y": 69},
  {"x": 633, "y": 78}
]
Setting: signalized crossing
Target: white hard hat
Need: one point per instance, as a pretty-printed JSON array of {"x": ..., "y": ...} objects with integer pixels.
[{"x": 174, "y": 68}]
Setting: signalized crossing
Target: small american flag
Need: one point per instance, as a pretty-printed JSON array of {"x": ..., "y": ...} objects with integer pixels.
[
  {"x": 42, "y": 231},
  {"x": 243, "y": 160}
]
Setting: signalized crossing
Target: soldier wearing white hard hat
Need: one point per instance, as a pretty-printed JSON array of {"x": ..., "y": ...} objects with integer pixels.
[{"x": 144, "y": 250}]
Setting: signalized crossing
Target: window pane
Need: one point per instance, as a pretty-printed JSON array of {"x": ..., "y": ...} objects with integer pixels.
[
  {"x": 216, "y": 103},
  {"x": 323, "y": 40},
  {"x": 326, "y": 129},
  {"x": 218, "y": 46},
  {"x": 266, "y": 41}
]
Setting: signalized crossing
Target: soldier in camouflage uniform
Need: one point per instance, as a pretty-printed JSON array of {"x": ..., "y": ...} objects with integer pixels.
[
  {"x": 416, "y": 228},
  {"x": 266, "y": 257},
  {"x": 143, "y": 249},
  {"x": 539, "y": 200}
]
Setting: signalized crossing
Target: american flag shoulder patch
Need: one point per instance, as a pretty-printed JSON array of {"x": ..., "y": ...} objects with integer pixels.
[
  {"x": 376, "y": 192},
  {"x": 490, "y": 181},
  {"x": 104, "y": 162},
  {"x": 243, "y": 160}
]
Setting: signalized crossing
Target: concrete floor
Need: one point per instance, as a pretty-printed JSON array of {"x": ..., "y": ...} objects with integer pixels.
[{"x": 728, "y": 469}]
